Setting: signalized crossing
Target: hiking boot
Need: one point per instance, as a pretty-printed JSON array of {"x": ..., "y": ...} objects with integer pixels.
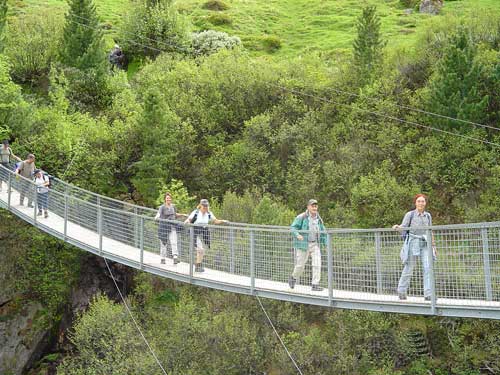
[
  {"x": 428, "y": 298},
  {"x": 39, "y": 213},
  {"x": 199, "y": 267},
  {"x": 30, "y": 205},
  {"x": 46, "y": 215},
  {"x": 316, "y": 288},
  {"x": 162, "y": 261},
  {"x": 402, "y": 296},
  {"x": 176, "y": 260},
  {"x": 291, "y": 282}
]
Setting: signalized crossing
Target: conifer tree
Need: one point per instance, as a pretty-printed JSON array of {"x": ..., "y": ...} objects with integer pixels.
[
  {"x": 83, "y": 39},
  {"x": 3, "y": 21},
  {"x": 368, "y": 44},
  {"x": 455, "y": 88}
]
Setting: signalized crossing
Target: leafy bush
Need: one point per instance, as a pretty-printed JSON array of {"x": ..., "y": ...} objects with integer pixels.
[
  {"x": 32, "y": 43},
  {"x": 217, "y": 5},
  {"x": 409, "y": 3},
  {"x": 271, "y": 43},
  {"x": 150, "y": 30},
  {"x": 218, "y": 19},
  {"x": 210, "y": 41}
]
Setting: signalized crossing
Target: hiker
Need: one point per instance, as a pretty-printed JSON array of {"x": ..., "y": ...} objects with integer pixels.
[
  {"x": 42, "y": 187},
  {"x": 416, "y": 246},
  {"x": 5, "y": 159},
  {"x": 117, "y": 58},
  {"x": 26, "y": 169},
  {"x": 202, "y": 216},
  {"x": 167, "y": 231},
  {"x": 309, "y": 236}
]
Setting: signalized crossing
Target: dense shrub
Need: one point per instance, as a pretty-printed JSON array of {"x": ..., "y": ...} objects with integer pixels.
[
  {"x": 271, "y": 43},
  {"x": 210, "y": 41},
  {"x": 217, "y": 5},
  {"x": 218, "y": 19},
  {"x": 150, "y": 30},
  {"x": 32, "y": 44}
]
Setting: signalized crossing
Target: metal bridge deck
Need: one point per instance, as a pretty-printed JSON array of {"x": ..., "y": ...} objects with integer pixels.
[{"x": 257, "y": 259}]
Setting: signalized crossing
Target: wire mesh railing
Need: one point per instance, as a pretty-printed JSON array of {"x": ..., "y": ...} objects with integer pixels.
[{"x": 355, "y": 264}]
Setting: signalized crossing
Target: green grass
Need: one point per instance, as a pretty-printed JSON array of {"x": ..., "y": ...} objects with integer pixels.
[{"x": 302, "y": 26}]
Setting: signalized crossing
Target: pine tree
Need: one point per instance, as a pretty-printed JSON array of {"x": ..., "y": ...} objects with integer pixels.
[
  {"x": 455, "y": 89},
  {"x": 83, "y": 44},
  {"x": 368, "y": 44},
  {"x": 3, "y": 22}
]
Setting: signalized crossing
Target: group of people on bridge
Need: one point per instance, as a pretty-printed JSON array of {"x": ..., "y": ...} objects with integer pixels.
[
  {"x": 308, "y": 229},
  {"x": 309, "y": 240}
]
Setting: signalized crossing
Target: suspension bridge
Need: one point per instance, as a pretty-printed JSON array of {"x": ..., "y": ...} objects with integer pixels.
[{"x": 360, "y": 267}]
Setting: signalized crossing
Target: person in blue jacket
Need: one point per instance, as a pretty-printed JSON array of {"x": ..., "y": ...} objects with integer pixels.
[{"x": 309, "y": 236}]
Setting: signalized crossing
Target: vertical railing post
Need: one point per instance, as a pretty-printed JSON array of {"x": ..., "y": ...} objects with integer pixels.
[
  {"x": 231, "y": 250},
  {"x": 191, "y": 251},
  {"x": 252, "y": 261},
  {"x": 378, "y": 262},
  {"x": 66, "y": 201},
  {"x": 35, "y": 200},
  {"x": 136, "y": 228},
  {"x": 486, "y": 264},
  {"x": 329, "y": 251},
  {"x": 99, "y": 227},
  {"x": 9, "y": 191},
  {"x": 430, "y": 254},
  {"x": 141, "y": 240}
]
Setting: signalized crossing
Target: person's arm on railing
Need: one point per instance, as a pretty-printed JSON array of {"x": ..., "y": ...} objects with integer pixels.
[{"x": 296, "y": 227}]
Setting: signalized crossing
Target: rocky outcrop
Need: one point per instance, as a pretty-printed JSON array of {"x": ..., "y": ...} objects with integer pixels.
[
  {"x": 23, "y": 336},
  {"x": 431, "y": 6}
]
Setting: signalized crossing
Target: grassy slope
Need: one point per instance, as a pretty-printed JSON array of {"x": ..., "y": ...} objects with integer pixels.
[{"x": 327, "y": 26}]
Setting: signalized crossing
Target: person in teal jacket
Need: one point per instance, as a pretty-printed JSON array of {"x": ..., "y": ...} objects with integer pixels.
[{"x": 309, "y": 236}]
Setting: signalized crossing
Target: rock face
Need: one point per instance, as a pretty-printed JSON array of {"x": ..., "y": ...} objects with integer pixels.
[
  {"x": 431, "y": 6},
  {"x": 22, "y": 338}
]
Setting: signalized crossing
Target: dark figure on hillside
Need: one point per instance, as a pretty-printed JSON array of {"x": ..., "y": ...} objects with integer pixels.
[{"x": 117, "y": 58}]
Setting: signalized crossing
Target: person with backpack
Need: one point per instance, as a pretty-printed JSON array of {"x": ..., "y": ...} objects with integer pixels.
[
  {"x": 167, "y": 231},
  {"x": 42, "y": 187},
  {"x": 5, "y": 159},
  {"x": 26, "y": 169},
  {"x": 416, "y": 246},
  {"x": 202, "y": 216},
  {"x": 308, "y": 231}
]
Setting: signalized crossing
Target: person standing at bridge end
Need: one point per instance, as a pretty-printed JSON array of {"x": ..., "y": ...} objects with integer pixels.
[
  {"x": 309, "y": 236},
  {"x": 416, "y": 246},
  {"x": 5, "y": 159}
]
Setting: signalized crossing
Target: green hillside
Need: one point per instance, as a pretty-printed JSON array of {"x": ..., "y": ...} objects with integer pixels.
[{"x": 298, "y": 26}]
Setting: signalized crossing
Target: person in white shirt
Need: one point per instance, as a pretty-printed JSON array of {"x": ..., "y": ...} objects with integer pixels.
[
  {"x": 202, "y": 216},
  {"x": 42, "y": 186}
]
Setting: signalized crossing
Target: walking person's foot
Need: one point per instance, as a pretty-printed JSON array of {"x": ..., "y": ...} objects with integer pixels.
[
  {"x": 176, "y": 259},
  {"x": 402, "y": 296},
  {"x": 291, "y": 282},
  {"x": 162, "y": 260},
  {"x": 316, "y": 288},
  {"x": 46, "y": 215}
]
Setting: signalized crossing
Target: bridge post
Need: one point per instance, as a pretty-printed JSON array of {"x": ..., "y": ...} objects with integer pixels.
[
  {"x": 252, "y": 262},
  {"x": 378, "y": 262},
  {"x": 431, "y": 271},
  {"x": 9, "y": 190},
  {"x": 191, "y": 251},
  {"x": 231, "y": 250},
  {"x": 99, "y": 227},
  {"x": 136, "y": 228},
  {"x": 35, "y": 200},
  {"x": 486, "y": 264},
  {"x": 66, "y": 200},
  {"x": 330, "y": 267},
  {"x": 141, "y": 240}
]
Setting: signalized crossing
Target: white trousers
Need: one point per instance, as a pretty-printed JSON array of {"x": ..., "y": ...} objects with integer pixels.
[
  {"x": 301, "y": 257},
  {"x": 172, "y": 238}
]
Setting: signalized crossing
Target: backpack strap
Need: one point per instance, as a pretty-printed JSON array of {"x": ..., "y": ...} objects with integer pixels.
[{"x": 195, "y": 217}]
